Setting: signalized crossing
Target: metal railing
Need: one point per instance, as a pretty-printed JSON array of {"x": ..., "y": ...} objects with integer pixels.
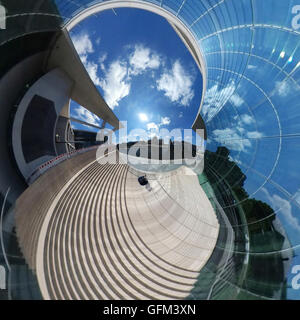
[{"x": 54, "y": 162}]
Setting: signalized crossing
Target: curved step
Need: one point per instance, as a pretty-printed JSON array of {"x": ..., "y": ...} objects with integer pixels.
[{"x": 107, "y": 237}]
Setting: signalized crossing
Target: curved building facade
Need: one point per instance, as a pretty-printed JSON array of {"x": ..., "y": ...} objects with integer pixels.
[{"x": 248, "y": 53}]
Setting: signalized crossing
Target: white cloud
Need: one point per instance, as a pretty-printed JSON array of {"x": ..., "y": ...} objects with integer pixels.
[
  {"x": 240, "y": 128},
  {"x": 85, "y": 115},
  {"x": 247, "y": 119},
  {"x": 283, "y": 88},
  {"x": 251, "y": 67},
  {"x": 143, "y": 58},
  {"x": 78, "y": 126},
  {"x": 237, "y": 137},
  {"x": 278, "y": 203},
  {"x": 92, "y": 69},
  {"x": 116, "y": 83},
  {"x": 233, "y": 159},
  {"x": 101, "y": 60},
  {"x": 152, "y": 126},
  {"x": 177, "y": 84},
  {"x": 232, "y": 139},
  {"x": 103, "y": 57},
  {"x": 216, "y": 98},
  {"x": 244, "y": 119},
  {"x": 83, "y": 44},
  {"x": 254, "y": 135},
  {"x": 165, "y": 121},
  {"x": 297, "y": 196},
  {"x": 236, "y": 100}
]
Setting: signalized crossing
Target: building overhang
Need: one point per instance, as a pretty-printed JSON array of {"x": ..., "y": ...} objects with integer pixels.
[{"x": 64, "y": 56}]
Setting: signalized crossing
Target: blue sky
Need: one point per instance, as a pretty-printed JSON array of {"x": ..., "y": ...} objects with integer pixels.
[{"x": 145, "y": 74}]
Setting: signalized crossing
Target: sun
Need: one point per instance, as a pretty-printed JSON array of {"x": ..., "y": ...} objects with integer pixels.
[{"x": 143, "y": 117}]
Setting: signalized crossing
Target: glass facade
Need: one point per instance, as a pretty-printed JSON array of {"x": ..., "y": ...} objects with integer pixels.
[{"x": 251, "y": 110}]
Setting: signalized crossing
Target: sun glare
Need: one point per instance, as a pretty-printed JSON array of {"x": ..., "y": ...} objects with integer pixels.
[{"x": 143, "y": 117}]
